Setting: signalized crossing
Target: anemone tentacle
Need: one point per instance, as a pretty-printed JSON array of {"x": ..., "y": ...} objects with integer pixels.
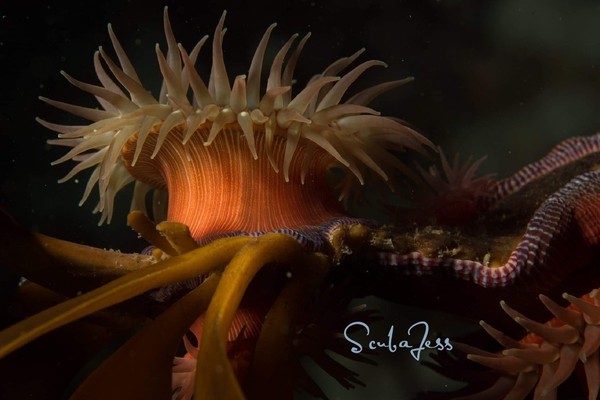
[
  {"x": 347, "y": 133},
  {"x": 549, "y": 353}
]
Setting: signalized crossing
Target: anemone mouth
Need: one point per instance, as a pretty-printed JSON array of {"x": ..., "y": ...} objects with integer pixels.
[{"x": 350, "y": 133}]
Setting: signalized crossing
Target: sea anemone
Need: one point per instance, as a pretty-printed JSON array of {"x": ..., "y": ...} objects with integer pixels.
[
  {"x": 225, "y": 161},
  {"x": 453, "y": 193},
  {"x": 217, "y": 149},
  {"x": 548, "y": 354}
]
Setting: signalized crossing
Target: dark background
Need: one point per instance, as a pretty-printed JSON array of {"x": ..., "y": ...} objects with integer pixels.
[{"x": 503, "y": 78}]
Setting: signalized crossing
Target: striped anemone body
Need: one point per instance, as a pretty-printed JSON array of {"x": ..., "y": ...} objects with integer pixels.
[{"x": 231, "y": 157}]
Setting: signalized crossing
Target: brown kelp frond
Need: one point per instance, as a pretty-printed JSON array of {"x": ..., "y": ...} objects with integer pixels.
[
  {"x": 246, "y": 256},
  {"x": 215, "y": 377},
  {"x": 171, "y": 238},
  {"x": 240, "y": 344},
  {"x": 128, "y": 368},
  {"x": 273, "y": 363},
  {"x": 175, "y": 269},
  {"x": 146, "y": 228},
  {"x": 263, "y": 347},
  {"x": 350, "y": 133},
  {"x": 60, "y": 265}
]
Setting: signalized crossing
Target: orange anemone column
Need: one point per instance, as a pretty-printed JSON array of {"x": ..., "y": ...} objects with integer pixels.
[{"x": 221, "y": 187}]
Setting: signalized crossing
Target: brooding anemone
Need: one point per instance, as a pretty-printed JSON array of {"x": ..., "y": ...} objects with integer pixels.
[{"x": 232, "y": 157}]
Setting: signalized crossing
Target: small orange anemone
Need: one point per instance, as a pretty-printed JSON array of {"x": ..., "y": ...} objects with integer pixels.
[{"x": 232, "y": 157}]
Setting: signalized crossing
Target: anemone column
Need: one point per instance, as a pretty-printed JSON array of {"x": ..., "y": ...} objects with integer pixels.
[{"x": 222, "y": 188}]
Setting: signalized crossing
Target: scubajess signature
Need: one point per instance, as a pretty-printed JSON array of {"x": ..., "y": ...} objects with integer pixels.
[{"x": 418, "y": 332}]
